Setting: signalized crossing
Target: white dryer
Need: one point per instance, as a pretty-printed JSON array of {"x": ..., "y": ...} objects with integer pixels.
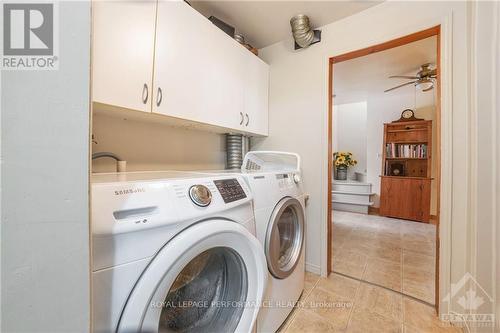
[
  {"x": 279, "y": 204},
  {"x": 275, "y": 181},
  {"x": 174, "y": 252}
]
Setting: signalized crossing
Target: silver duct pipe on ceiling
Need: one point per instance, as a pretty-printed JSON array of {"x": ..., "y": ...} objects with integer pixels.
[
  {"x": 237, "y": 145},
  {"x": 302, "y": 32}
]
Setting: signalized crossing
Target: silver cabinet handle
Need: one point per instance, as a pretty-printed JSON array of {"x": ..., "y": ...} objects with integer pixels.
[
  {"x": 159, "y": 97},
  {"x": 248, "y": 119},
  {"x": 145, "y": 93},
  {"x": 242, "y": 118}
]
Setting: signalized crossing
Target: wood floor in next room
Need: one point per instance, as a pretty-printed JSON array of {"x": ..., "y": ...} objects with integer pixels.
[
  {"x": 392, "y": 253},
  {"x": 341, "y": 304}
]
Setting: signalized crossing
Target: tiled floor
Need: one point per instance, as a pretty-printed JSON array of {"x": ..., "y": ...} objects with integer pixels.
[
  {"x": 396, "y": 254},
  {"x": 341, "y": 304}
]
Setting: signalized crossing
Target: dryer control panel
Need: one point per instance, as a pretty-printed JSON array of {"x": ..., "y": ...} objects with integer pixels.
[{"x": 230, "y": 189}]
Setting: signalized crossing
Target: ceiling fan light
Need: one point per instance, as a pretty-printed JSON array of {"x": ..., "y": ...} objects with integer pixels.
[{"x": 425, "y": 85}]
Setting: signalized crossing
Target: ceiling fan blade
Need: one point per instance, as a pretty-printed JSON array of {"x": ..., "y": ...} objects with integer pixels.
[
  {"x": 403, "y": 77},
  {"x": 401, "y": 85}
]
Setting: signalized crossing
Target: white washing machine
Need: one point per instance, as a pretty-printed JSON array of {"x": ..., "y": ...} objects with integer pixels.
[
  {"x": 174, "y": 252},
  {"x": 275, "y": 181}
]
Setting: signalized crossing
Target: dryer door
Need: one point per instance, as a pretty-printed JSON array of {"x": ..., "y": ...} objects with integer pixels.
[
  {"x": 209, "y": 278},
  {"x": 284, "y": 237}
]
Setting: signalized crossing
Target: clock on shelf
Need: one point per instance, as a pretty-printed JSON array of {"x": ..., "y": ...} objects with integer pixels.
[{"x": 407, "y": 115}]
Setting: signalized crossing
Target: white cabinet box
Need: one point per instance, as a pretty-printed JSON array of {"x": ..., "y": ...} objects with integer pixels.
[
  {"x": 181, "y": 66},
  {"x": 122, "y": 53}
]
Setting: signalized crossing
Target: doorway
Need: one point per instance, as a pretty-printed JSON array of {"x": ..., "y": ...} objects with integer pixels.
[{"x": 365, "y": 223}]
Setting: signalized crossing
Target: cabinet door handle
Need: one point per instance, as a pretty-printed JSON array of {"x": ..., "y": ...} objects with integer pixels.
[
  {"x": 242, "y": 118},
  {"x": 248, "y": 119},
  {"x": 159, "y": 97},
  {"x": 145, "y": 93}
]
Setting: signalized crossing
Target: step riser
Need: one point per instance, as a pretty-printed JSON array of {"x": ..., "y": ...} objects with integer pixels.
[
  {"x": 350, "y": 208},
  {"x": 352, "y": 188},
  {"x": 362, "y": 199}
]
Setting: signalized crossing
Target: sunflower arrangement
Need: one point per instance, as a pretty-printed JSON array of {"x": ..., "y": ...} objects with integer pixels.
[{"x": 343, "y": 159}]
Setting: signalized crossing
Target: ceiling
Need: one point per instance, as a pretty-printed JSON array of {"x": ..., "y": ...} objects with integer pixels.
[
  {"x": 359, "y": 79},
  {"x": 263, "y": 23}
]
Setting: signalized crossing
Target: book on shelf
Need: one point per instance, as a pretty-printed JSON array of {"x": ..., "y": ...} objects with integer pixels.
[{"x": 397, "y": 150}]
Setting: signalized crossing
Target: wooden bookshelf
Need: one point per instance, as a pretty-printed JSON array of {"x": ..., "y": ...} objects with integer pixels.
[{"x": 405, "y": 190}]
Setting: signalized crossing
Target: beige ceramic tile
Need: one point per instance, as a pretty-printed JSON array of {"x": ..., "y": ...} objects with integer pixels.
[
  {"x": 342, "y": 229},
  {"x": 389, "y": 241},
  {"x": 364, "y": 232},
  {"x": 418, "y": 237},
  {"x": 350, "y": 263},
  {"x": 360, "y": 246},
  {"x": 333, "y": 307},
  {"x": 421, "y": 247},
  {"x": 415, "y": 227},
  {"x": 419, "y": 317},
  {"x": 387, "y": 253},
  {"x": 381, "y": 301},
  {"x": 351, "y": 256},
  {"x": 308, "y": 322},
  {"x": 419, "y": 261},
  {"x": 339, "y": 240},
  {"x": 391, "y": 245},
  {"x": 349, "y": 269},
  {"x": 419, "y": 284},
  {"x": 310, "y": 281},
  {"x": 363, "y": 321},
  {"x": 336, "y": 246},
  {"x": 339, "y": 285},
  {"x": 384, "y": 273},
  {"x": 449, "y": 329}
]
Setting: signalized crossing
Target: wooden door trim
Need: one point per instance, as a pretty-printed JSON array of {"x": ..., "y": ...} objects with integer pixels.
[{"x": 433, "y": 31}]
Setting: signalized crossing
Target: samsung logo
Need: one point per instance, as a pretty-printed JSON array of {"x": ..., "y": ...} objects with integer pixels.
[{"x": 130, "y": 191}]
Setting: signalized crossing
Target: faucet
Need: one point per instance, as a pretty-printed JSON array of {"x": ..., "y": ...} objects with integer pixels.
[{"x": 121, "y": 165}]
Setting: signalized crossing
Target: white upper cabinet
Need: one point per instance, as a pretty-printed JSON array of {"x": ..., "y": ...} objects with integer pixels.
[
  {"x": 123, "y": 49},
  {"x": 165, "y": 57},
  {"x": 256, "y": 95},
  {"x": 198, "y": 69}
]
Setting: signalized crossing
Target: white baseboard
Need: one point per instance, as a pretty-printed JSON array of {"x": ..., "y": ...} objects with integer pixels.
[{"x": 313, "y": 268}]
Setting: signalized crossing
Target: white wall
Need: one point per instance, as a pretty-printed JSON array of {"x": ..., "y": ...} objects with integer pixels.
[
  {"x": 349, "y": 133},
  {"x": 298, "y": 93},
  {"x": 44, "y": 170},
  {"x": 496, "y": 132},
  {"x": 152, "y": 146},
  {"x": 485, "y": 193}
]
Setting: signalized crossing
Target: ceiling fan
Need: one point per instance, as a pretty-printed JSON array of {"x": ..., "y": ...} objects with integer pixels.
[{"x": 423, "y": 78}]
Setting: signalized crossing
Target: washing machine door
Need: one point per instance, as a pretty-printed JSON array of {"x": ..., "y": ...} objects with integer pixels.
[
  {"x": 209, "y": 278},
  {"x": 285, "y": 237}
]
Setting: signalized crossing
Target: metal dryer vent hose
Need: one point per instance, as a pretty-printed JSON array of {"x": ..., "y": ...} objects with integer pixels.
[
  {"x": 236, "y": 148},
  {"x": 302, "y": 32}
]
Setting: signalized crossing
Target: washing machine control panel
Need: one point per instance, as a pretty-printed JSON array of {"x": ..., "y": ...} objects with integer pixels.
[{"x": 230, "y": 189}]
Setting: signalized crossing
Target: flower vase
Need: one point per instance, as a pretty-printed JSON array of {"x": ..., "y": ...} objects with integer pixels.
[{"x": 341, "y": 173}]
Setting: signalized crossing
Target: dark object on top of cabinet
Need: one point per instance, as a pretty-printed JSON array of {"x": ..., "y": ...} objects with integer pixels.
[
  {"x": 223, "y": 26},
  {"x": 395, "y": 168}
]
